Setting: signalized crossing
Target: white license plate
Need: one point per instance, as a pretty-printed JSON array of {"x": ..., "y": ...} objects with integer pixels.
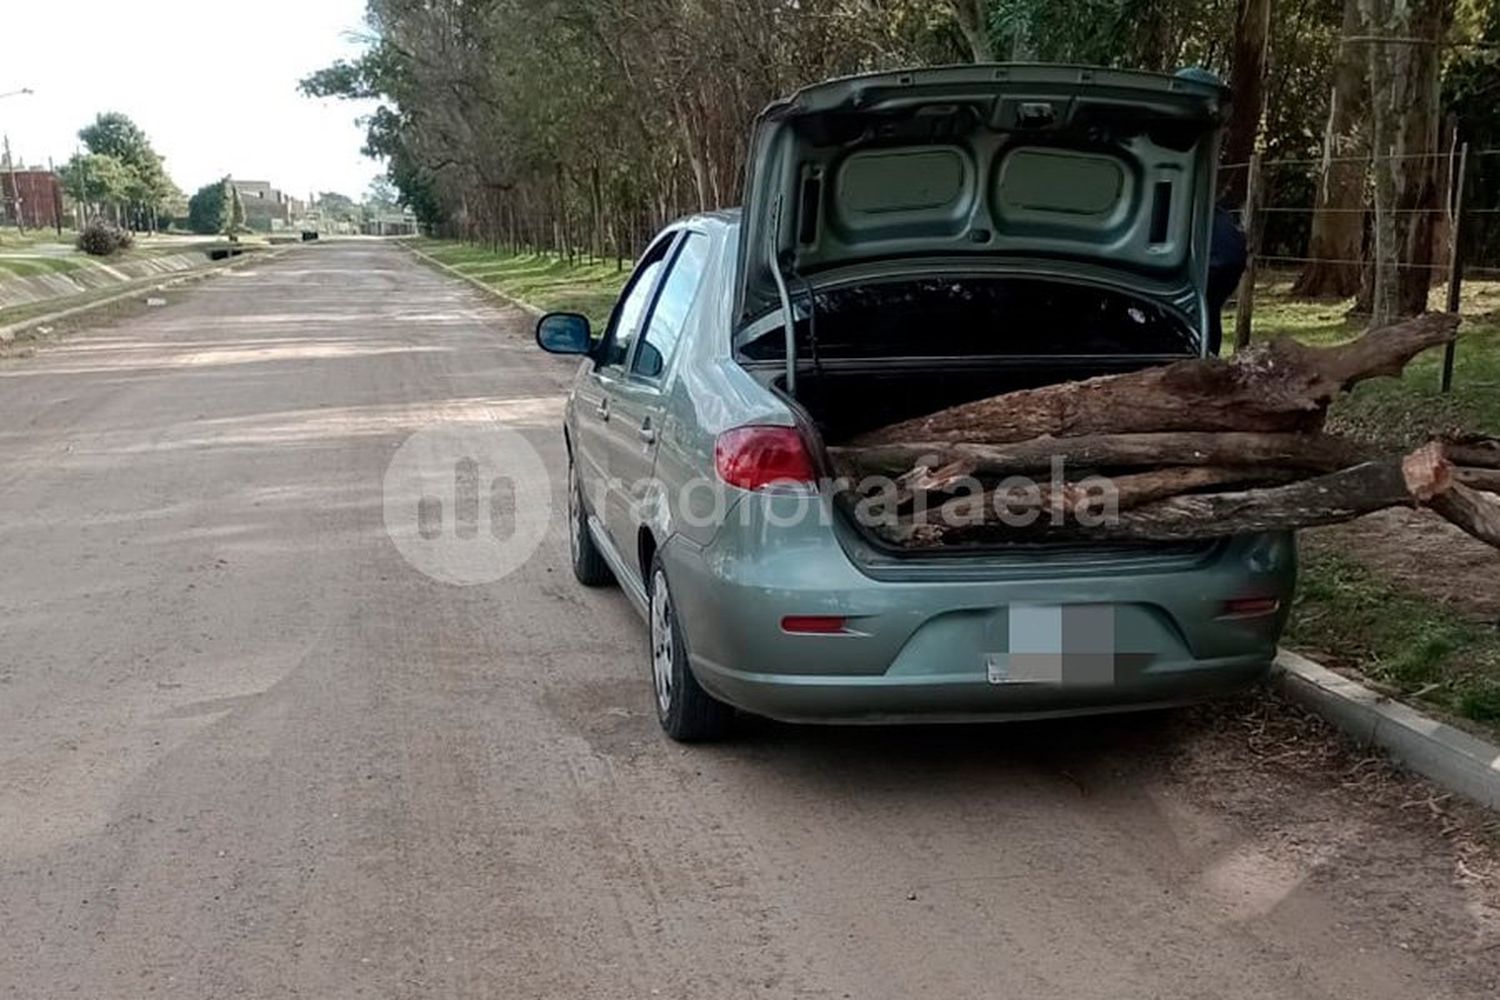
[{"x": 1056, "y": 644}]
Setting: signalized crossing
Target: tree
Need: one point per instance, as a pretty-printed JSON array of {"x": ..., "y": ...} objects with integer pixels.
[
  {"x": 1247, "y": 81},
  {"x": 116, "y": 135},
  {"x": 973, "y": 17},
  {"x": 211, "y": 208},
  {"x": 236, "y": 206},
  {"x": 146, "y": 188},
  {"x": 1472, "y": 91},
  {"x": 1337, "y": 242},
  {"x": 1401, "y": 44},
  {"x": 97, "y": 181},
  {"x": 383, "y": 194},
  {"x": 338, "y": 206}
]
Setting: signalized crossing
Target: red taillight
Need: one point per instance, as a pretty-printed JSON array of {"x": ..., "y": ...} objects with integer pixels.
[
  {"x": 813, "y": 624},
  {"x": 753, "y": 457},
  {"x": 1250, "y": 607}
]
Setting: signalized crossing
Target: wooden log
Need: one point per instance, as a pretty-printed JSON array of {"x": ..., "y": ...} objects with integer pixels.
[
  {"x": 1284, "y": 386},
  {"x": 1487, "y": 480},
  {"x": 1420, "y": 477},
  {"x": 1126, "y": 492},
  {"x": 1314, "y": 452},
  {"x": 1472, "y": 511},
  {"x": 1477, "y": 452}
]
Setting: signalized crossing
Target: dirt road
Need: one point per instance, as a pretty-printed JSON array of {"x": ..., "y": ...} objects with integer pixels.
[{"x": 246, "y": 750}]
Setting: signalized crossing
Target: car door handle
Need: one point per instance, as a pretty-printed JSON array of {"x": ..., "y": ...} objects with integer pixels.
[{"x": 647, "y": 433}]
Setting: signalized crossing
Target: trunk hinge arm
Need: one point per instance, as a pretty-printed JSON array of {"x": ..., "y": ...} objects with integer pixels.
[{"x": 788, "y": 317}]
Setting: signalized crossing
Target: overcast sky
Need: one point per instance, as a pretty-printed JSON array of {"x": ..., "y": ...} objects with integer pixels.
[{"x": 213, "y": 84}]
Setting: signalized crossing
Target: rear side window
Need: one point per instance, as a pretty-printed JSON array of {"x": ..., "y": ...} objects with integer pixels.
[{"x": 669, "y": 317}]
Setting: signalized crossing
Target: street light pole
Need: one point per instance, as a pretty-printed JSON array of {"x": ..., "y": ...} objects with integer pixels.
[{"x": 15, "y": 191}]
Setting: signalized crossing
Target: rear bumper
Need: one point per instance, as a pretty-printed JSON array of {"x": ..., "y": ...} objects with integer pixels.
[
  {"x": 961, "y": 697},
  {"x": 925, "y": 647}
]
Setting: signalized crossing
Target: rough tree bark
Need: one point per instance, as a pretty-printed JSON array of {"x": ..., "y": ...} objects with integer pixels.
[
  {"x": 1422, "y": 477},
  {"x": 1336, "y": 245},
  {"x": 973, "y": 22},
  {"x": 1313, "y": 452},
  {"x": 1401, "y": 42},
  {"x": 1283, "y": 386},
  {"x": 1247, "y": 80}
]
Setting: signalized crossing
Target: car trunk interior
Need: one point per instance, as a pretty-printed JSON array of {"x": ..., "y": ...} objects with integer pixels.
[
  {"x": 876, "y": 354},
  {"x": 844, "y": 403},
  {"x": 889, "y": 353}
]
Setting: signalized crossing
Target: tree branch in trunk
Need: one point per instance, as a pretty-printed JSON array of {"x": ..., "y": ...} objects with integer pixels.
[
  {"x": 1285, "y": 386},
  {"x": 1418, "y": 478},
  {"x": 1315, "y": 452},
  {"x": 1472, "y": 511}
]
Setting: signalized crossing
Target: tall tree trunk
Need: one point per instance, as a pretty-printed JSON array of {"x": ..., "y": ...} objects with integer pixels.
[
  {"x": 1404, "y": 105},
  {"x": 1336, "y": 244},
  {"x": 974, "y": 22},
  {"x": 1247, "y": 80}
]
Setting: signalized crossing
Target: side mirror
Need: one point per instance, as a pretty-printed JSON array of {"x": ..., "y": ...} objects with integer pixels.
[{"x": 564, "y": 333}]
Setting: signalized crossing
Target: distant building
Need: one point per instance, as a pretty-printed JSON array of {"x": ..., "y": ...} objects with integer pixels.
[
  {"x": 266, "y": 208},
  {"x": 41, "y": 197},
  {"x": 396, "y": 222}
]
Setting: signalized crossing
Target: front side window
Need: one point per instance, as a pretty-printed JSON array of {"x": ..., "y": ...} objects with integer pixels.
[
  {"x": 626, "y": 322},
  {"x": 669, "y": 317}
]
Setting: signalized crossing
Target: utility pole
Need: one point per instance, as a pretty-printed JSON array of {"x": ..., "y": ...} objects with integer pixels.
[
  {"x": 15, "y": 190},
  {"x": 56, "y": 198}
]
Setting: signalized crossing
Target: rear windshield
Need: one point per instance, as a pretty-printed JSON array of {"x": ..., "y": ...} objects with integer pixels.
[{"x": 956, "y": 317}]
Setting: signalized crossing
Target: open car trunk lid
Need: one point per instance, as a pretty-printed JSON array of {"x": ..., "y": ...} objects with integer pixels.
[{"x": 1083, "y": 174}]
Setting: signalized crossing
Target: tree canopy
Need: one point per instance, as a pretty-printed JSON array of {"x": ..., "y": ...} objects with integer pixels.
[
  {"x": 211, "y": 209},
  {"x": 121, "y": 173},
  {"x": 583, "y": 125}
]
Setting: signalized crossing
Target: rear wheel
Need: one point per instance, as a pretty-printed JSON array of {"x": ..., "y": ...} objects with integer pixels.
[
  {"x": 588, "y": 562},
  {"x": 688, "y": 713}
]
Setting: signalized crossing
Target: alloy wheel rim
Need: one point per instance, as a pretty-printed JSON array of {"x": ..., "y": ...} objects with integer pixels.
[{"x": 661, "y": 641}]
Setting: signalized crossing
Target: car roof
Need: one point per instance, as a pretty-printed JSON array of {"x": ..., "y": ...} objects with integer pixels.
[{"x": 726, "y": 217}]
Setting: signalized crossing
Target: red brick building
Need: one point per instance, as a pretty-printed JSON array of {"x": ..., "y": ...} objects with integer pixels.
[{"x": 41, "y": 197}]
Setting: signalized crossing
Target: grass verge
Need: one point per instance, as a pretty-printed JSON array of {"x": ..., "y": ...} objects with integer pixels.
[
  {"x": 1352, "y": 611},
  {"x": 1349, "y": 614},
  {"x": 543, "y": 280}
]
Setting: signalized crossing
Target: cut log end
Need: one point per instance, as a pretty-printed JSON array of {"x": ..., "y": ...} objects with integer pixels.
[{"x": 1427, "y": 472}]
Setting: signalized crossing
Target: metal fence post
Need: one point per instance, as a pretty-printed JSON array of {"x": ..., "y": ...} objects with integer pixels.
[
  {"x": 1244, "y": 307},
  {"x": 1455, "y": 261}
]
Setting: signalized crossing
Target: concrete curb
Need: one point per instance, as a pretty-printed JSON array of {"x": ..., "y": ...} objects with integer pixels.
[
  {"x": 526, "y": 307},
  {"x": 134, "y": 288},
  {"x": 1460, "y": 763}
]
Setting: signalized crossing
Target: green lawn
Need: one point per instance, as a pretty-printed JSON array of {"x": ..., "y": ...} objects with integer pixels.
[
  {"x": 1352, "y": 614},
  {"x": 42, "y": 252},
  {"x": 543, "y": 280},
  {"x": 32, "y": 265}
]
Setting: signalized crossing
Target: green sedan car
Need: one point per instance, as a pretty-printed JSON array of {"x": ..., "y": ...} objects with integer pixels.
[{"x": 908, "y": 241}]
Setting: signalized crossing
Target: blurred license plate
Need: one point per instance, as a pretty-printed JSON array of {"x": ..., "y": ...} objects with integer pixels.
[{"x": 1056, "y": 644}]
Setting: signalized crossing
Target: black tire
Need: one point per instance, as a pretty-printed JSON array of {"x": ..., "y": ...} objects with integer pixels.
[
  {"x": 687, "y": 713},
  {"x": 588, "y": 562}
]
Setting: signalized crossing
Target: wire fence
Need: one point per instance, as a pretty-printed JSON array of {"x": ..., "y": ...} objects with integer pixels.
[{"x": 1293, "y": 205}]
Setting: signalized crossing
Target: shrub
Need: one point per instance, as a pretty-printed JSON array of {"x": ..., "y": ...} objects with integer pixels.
[{"x": 101, "y": 238}]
